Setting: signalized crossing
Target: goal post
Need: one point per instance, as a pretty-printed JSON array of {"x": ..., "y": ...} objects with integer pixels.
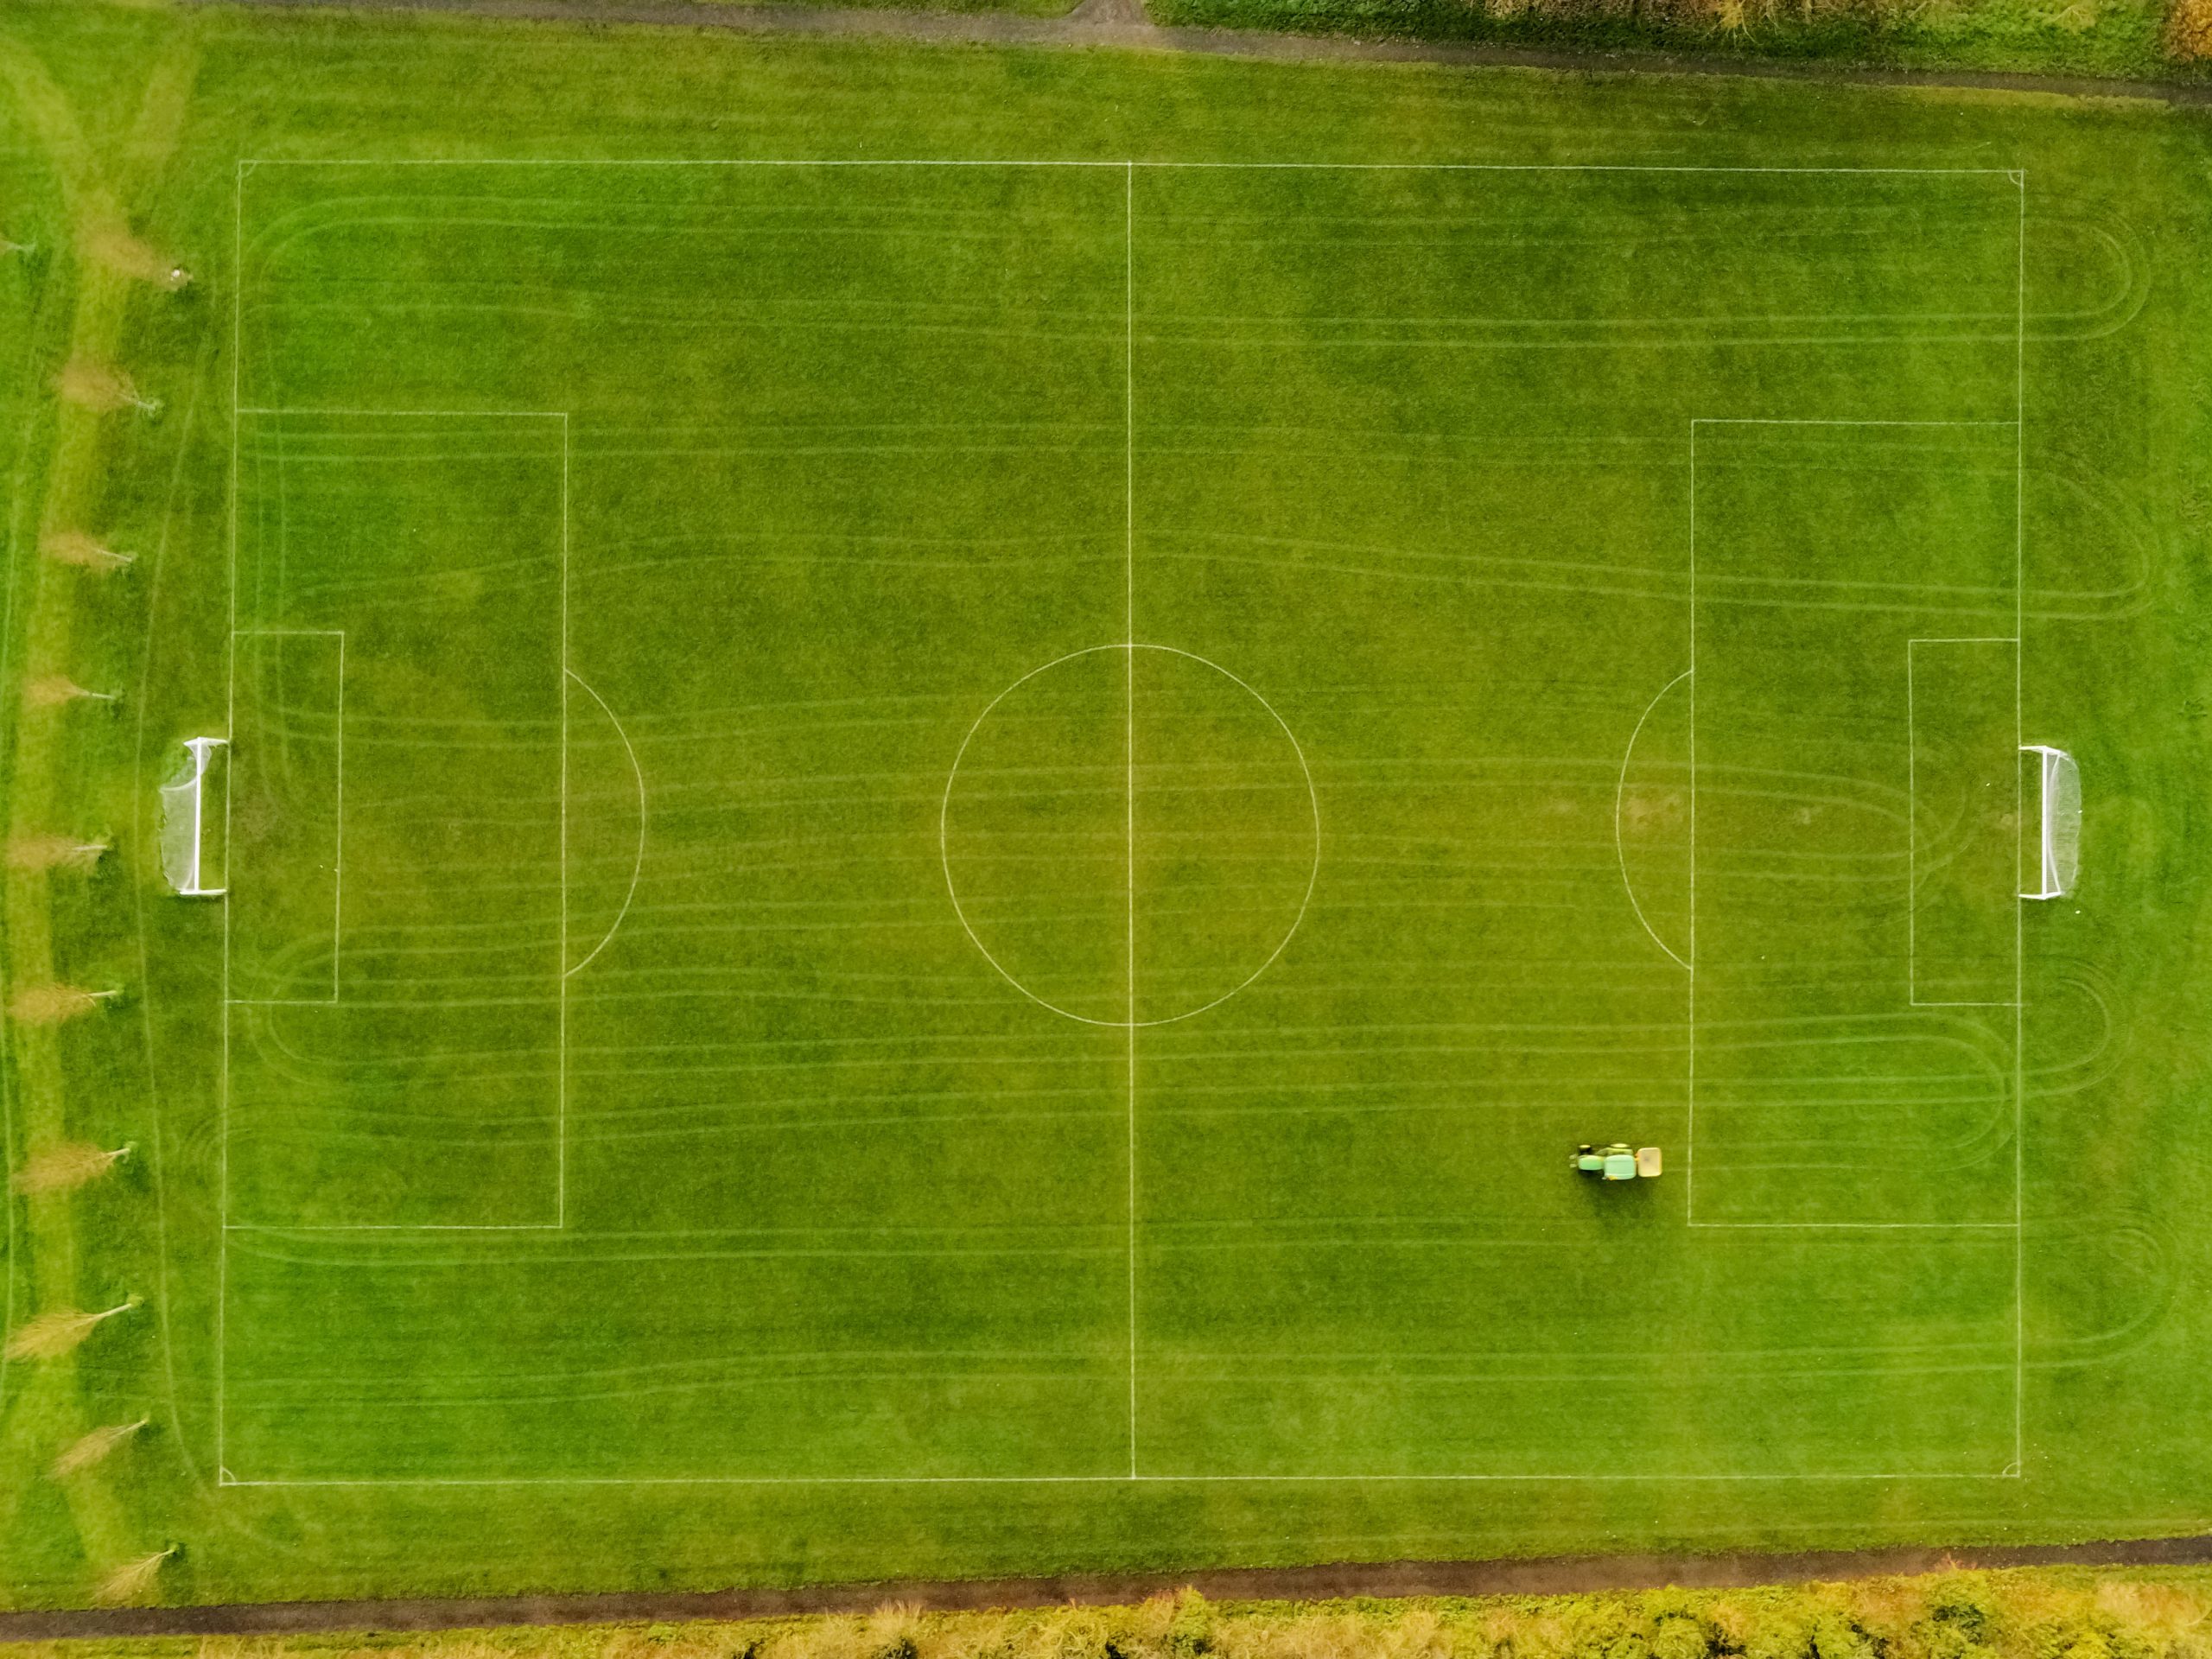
[
  {"x": 2059, "y": 838},
  {"x": 183, "y": 818}
]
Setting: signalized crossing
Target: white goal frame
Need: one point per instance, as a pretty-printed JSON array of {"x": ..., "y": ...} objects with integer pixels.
[
  {"x": 184, "y": 876},
  {"x": 2059, "y": 817}
]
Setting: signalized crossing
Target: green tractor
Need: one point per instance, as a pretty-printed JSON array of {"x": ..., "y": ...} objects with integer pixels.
[{"x": 1619, "y": 1162}]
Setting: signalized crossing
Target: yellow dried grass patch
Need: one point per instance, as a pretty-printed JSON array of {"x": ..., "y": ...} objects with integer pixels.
[
  {"x": 65, "y": 1167},
  {"x": 53, "y": 853},
  {"x": 89, "y": 1449},
  {"x": 51, "y": 690},
  {"x": 2189, "y": 30},
  {"x": 74, "y": 547},
  {"x": 55, "y": 1333},
  {"x": 49, "y": 1005},
  {"x": 132, "y": 1581},
  {"x": 114, "y": 246},
  {"x": 99, "y": 388},
  {"x": 2169, "y": 1609}
]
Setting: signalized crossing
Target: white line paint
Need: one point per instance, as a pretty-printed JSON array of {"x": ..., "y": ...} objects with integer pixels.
[
  {"x": 945, "y": 851},
  {"x": 2020, "y": 958},
  {"x": 230, "y": 725},
  {"x": 637, "y": 864},
  {"x": 561, "y": 957},
  {"x": 1129, "y": 724},
  {"x": 229, "y": 1479},
  {"x": 1159, "y": 166},
  {"x": 1620, "y": 795}
]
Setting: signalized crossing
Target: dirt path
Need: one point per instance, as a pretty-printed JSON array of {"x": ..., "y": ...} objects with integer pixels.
[
  {"x": 1547, "y": 1576},
  {"x": 1122, "y": 23}
]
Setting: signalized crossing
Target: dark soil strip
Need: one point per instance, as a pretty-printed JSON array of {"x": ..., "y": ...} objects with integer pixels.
[
  {"x": 1552, "y": 1575},
  {"x": 1110, "y": 26}
]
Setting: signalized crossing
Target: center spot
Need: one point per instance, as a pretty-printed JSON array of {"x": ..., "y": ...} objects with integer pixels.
[{"x": 1130, "y": 834}]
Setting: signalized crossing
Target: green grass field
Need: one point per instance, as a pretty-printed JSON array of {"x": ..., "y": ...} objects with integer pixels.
[{"x": 952, "y": 775}]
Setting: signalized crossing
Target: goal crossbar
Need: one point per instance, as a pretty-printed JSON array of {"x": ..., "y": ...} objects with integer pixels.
[
  {"x": 2060, "y": 811},
  {"x": 183, "y": 798}
]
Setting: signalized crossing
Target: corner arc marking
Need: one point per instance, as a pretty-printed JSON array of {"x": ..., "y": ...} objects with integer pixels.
[
  {"x": 1620, "y": 795},
  {"x": 637, "y": 866}
]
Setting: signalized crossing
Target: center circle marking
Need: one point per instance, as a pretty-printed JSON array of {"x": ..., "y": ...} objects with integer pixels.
[{"x": 1055, "y": 823}]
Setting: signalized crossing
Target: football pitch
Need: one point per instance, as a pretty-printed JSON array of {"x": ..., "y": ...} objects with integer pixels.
[
  {"x": 905, "y": 821},
  {"x": 934, "y": 831}
]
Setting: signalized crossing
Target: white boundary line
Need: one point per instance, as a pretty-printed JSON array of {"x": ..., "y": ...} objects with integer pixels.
[
  {"x": 560, "y": 956},
  {"x": 2019, "y": 955},
  {"x": 1099, "y": 1480},
  {"x": 1689, "y": 1149},
  {"x": 1129, "y": 721},
  {"x": 637, "y": 866},
  {"x": 1913, "y": 998},
  {"x": 1620, "y": 794},
  {"x": 230, "y": 729},
  {"x": 1128, "y": 166}
]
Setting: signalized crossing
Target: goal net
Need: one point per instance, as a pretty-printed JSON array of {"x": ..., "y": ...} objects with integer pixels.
[
  {"x": 2061, "y": 839},
  {"x": 183, "y": 801}
]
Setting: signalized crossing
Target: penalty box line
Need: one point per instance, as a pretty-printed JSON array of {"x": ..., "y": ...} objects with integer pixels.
[
  {"x": 1690, "y": 1158},
  {"x": 226, "y": 1225}
]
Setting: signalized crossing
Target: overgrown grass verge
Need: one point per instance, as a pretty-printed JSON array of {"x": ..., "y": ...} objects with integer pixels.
[
  {"x": 2034, "y": 1613},
  {"x": 2134, "y": 39}
]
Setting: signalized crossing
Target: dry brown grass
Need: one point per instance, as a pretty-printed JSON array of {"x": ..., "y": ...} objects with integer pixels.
[
  {"x": 2169, "y": 1609},
  {"x": 2072, "y": 1613},
  {"x": 114, "y": 246},
  {"x": 99, "y": 388},
  {"x": 51, "y": 690},
  {"x": 2189, "y": 30},
  {"x": 65, "y": 1167},
  {"x": 86, "y": 1450},
  {"x": 54, "y": 1334},
  {"x": 49, "y": 1005},
  {"x": 74, "y": 547},
  {"x": 132, "y": 1581},
  {"x": 53, "y": 853}
]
